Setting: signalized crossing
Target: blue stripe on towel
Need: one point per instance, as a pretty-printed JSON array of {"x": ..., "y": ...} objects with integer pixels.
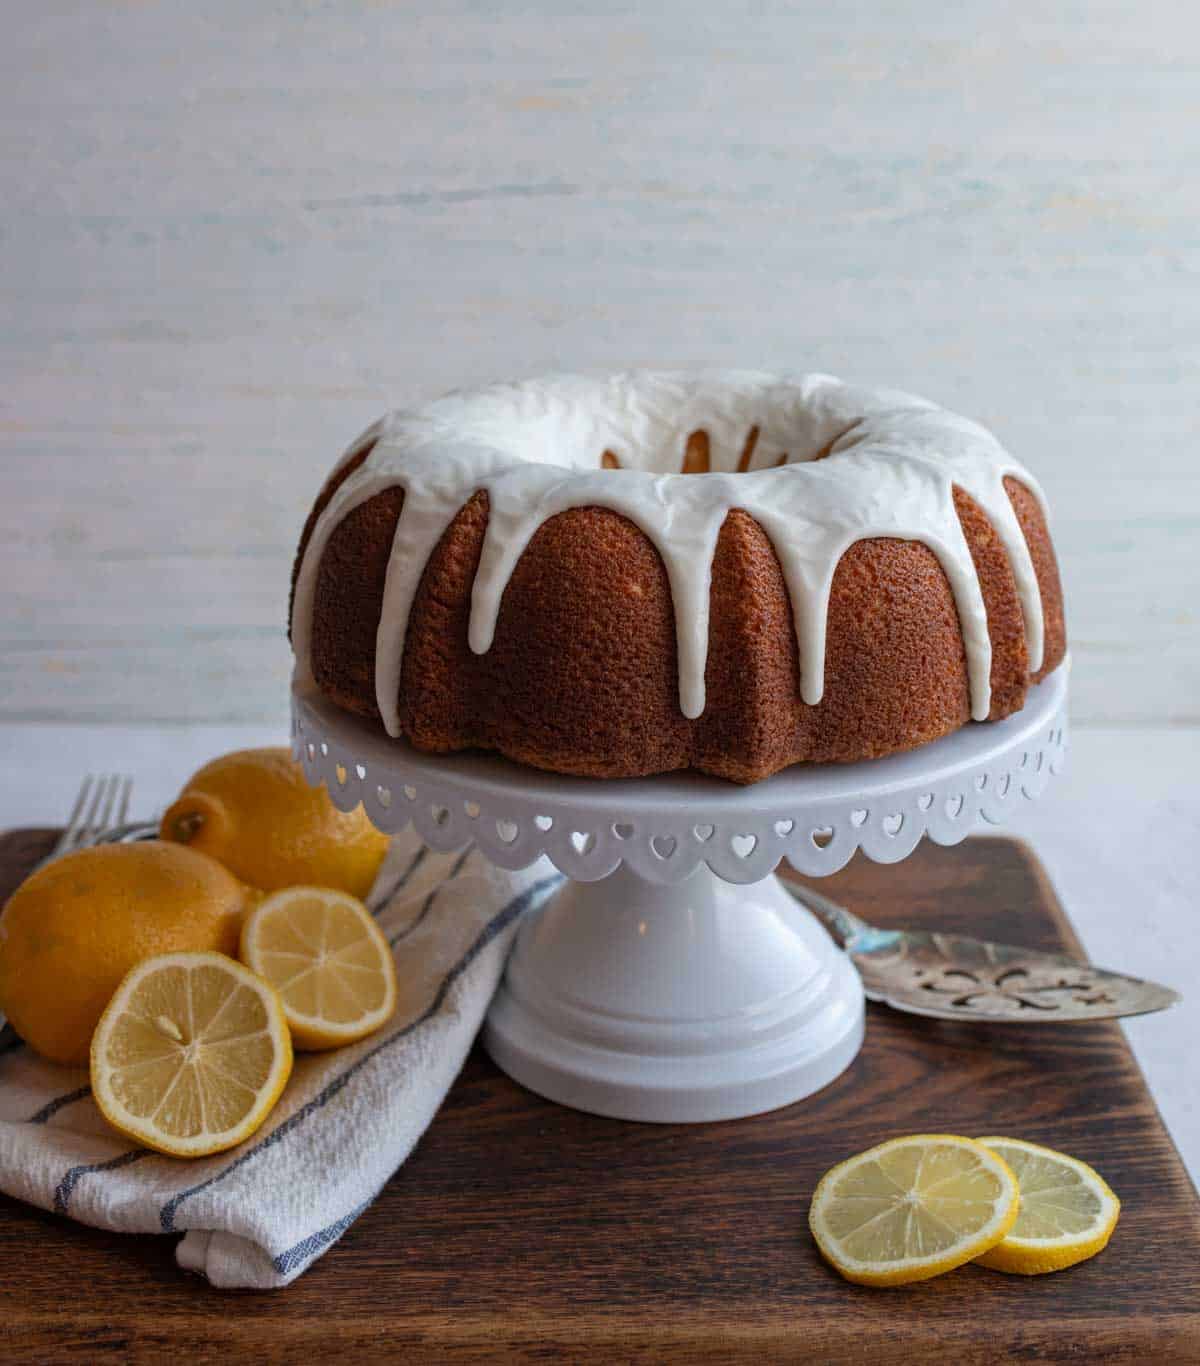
[
  {"x": 377, "y": 901},
  {"x": 63, "y": 1192},
  {"x": 52, "y": 1107},
  {"x": 305, "y": 1250},
  {"x": 431, "y": 898},
  {"x": 500, "y": 922}
]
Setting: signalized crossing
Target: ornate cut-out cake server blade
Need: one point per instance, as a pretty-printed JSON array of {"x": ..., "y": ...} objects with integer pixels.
[{"x": 953, "y": 977}]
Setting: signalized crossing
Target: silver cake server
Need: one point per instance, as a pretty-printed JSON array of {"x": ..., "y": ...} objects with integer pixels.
[{"x": 953, "y": 977}]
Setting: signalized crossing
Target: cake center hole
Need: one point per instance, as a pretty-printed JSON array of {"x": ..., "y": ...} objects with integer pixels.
[{"x": 698, "y": 456}]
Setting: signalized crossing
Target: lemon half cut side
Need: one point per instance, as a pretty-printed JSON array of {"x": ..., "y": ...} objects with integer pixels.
[
  {"x": 1067, "y": 1211},
  {"x": 328, "y": 960},
  {"x": 191, "y": 1054},
  {"x": 912, "y": 1208}
]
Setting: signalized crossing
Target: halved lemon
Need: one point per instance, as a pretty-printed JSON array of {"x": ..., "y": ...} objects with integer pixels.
[
  {"x": 191, "y": 1054},
  {"x": 328, "y": 960},
  {"x": 912, "y": 1208},
  {"x": 1067, "y": 1212}
]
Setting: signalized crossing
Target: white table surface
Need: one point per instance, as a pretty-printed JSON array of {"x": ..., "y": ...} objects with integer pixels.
[{"x": 1119, "y": 834}]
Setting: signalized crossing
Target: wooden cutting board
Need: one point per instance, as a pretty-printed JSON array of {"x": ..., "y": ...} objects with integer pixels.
[{"x": 519, "y": 1229}]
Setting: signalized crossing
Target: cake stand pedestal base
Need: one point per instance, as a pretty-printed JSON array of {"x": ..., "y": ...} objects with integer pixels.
[{"x": 696, "y": 1000}]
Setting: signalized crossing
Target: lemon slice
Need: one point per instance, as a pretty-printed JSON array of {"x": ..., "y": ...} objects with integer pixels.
[
  {"x": 1067, "y": 1211},
  {"x": 191, "y": 1054},
  {"x": 912, "y": 1208},
  {"x": 328, "y": 960}
]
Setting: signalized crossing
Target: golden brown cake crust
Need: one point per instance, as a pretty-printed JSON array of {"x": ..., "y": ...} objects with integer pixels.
[
  {"x": 331, "y": 486},
  {"x": 581, "y": 676}
]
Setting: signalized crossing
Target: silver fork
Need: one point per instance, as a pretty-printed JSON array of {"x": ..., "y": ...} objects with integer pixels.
[{"x": 101, "y": 804}]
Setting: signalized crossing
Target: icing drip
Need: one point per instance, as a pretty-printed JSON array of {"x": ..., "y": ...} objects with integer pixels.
[{"x": 817, "y": 463}]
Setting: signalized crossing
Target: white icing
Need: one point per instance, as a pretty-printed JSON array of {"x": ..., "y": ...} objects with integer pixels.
[{"x": 535, "y": 448}]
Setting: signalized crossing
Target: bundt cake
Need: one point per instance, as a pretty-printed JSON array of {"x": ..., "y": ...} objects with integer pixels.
[{"x": 732, "y": 572}]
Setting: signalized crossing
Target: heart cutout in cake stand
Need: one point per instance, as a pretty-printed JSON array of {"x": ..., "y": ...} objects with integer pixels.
[{"x": 673, "y": 978}]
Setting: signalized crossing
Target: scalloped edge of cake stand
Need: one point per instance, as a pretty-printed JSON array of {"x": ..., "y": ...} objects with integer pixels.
[{"x": 665, "y": 827}]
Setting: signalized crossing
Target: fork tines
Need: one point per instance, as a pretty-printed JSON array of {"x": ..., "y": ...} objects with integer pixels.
[{"x": 101, "y": 803}]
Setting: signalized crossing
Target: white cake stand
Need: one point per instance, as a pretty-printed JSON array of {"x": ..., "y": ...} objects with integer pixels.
[{"x": 673, "y": 978}]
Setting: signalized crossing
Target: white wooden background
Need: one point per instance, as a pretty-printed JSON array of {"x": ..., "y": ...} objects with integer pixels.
[{"x": 232, "y": 233}]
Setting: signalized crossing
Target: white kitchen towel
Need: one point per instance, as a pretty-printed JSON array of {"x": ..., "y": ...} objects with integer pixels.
[{"x": 260, "y": 1214}]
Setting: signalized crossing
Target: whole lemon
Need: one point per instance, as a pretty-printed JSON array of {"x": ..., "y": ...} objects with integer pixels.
[
  {"x": 72, "y": 930},
  {"x": 255, "y": 812}
]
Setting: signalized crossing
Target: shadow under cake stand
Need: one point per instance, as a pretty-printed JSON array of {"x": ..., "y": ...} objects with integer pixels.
[{"x": 673, "y": 978}]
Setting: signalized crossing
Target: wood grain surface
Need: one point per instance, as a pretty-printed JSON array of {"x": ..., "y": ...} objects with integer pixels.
[
  {"x": 520, "y": 1229},
  {"x": 234, "y": 234}
]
